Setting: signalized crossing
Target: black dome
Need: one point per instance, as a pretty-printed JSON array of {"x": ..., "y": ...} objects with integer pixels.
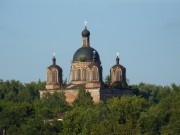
[
  {"x": 85, "y": 33},
  {"x": 86, "y": 54}
]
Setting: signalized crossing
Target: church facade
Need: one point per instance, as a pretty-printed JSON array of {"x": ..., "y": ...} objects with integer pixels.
[{"x": 86, "y": 71}]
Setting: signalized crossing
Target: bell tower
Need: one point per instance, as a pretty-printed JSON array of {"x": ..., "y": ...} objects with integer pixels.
[
  {"x": 85, "y": 36},
  {"x": 118, "y": 72},
  {"x": 54, "y": 75}
]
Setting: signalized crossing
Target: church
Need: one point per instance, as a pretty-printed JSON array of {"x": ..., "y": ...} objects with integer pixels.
[{"x": 86, "y": 71}]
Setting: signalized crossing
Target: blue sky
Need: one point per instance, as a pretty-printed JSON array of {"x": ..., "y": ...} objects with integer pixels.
[{"x": 146, "y": 33}]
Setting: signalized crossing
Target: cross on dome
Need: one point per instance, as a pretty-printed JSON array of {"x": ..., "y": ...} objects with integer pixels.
[
  {"x": 117, "y": 54},
  {"x": 85, "y": 23},
  {"x": 54, "y": 59},
  {"x": 94, "y": 51},
  {"x": 54, "y": 54}
]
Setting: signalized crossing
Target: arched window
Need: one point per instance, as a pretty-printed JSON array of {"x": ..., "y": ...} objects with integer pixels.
[
  {"x": 54, "y": 76},
  {"x": 78, "y": 74},
  {"x": 84, "y": 74},
  {"x": 94, "y": 74},
  {"x": 75, "y": 74},
  {"x": 118, "y": 75},
  {"x": 48, "y": 76},
  {"x": 112, "y": 75},
  {"x": 72, "y": 74},
  {"x": 87, "y": 75}
]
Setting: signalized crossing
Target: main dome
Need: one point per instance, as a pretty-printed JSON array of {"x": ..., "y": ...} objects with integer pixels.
[{"x": 86, "y": 54}]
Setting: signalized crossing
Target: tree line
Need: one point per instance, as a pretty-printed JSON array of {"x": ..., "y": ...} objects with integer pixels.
[{"x": 152, "y": 109}]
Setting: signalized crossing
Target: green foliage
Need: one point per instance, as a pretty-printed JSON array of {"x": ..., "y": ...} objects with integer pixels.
[
  {"x": 152, "y": 110},
  {"x": 126, "y": 112},
  {"x": 108, "y": 80},
  {"x": 119, "y": 85},
  {"x": 151, "y": 92},
  {"x": 17, "y": 92},
  {"x": 91, "y": 120},
  {"x": 14, "y": 114},
  {"x": 128, "y": 115},
  {"x": 65, "y": 82},
  {"x": 50, "y": 104},
  {"x": 83, "y": 59},
  {"x": 84, "y": 99},
  {"x": 163, "y": 117},
  {"x": 9, "y": 90},
  {"x": 39, "y": 127},
  {"x": 118, "y": 116}
]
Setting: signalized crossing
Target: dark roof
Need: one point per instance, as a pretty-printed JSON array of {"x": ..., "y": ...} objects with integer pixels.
[
  {"x": 85, "y": 32},
  {"x": 120, "y": 66},
  {"x": 60, "y": 115},
  {"x": 55, "y": 66},
  {"x": 86, "y": 53}
]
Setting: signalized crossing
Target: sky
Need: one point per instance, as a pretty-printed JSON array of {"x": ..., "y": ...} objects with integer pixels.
[{"x": 146, "y": 33}]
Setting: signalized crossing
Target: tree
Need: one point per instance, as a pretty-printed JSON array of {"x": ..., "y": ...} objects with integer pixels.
[
  {"x": 9, "y": 90},
  {"x": 37, "y": 126},
  {"x": 118, "y": 116},
  {"x": 14, "y": 114},
  {"x": 65, "y": 82},
  {"x": 84, "y": 98},
  {"x": 91, "y": 120},
  {"x": 126, "y": 112},
  {"x": 108, "y": 80},
  {"x": 152, "y": 110},
  {"x": 50, "y": 104},
  {"x": 147, "y": 91},
  {"x": 17, "y": 92},
  {"x": 164, "y": 116}
]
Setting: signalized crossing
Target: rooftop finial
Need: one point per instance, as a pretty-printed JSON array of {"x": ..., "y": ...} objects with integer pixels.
[
  {"x": 54, "y": 59},
  {"x": 117, "y": 59},
  {"x": 85, "y": 23},
  {"x": 94, "y": 52},
  {"x": 117, "y": 54},
  {"x": 94, "y": 56}
]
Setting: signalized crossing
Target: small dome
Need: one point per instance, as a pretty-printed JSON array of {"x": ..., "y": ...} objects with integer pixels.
[
  {"x": 54, "y": 65},
  {"x": 85, "y": 32},
  {"x": 86, "y": 54}
]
